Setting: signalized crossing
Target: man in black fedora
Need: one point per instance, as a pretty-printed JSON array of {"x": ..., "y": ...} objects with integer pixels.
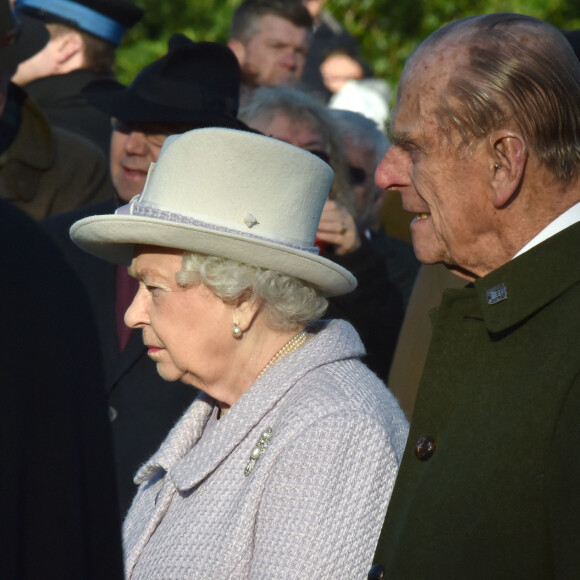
[
  {"x": 194, "y": 85},
  {"x": 43, "y": 170},
  {"x": 84, "y": 36}
]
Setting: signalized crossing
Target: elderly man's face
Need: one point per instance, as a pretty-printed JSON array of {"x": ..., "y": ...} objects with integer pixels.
[
  {"x": 133, "y": 148},
  {"x": 447, "y": 191},
  {"x": 275, "y": 55}
]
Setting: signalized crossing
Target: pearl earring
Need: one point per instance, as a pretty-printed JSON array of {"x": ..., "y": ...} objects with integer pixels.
[{"x": 236, "y": 330}]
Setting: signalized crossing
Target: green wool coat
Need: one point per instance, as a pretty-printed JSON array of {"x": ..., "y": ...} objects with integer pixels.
[{"x": 500, "y": 394}]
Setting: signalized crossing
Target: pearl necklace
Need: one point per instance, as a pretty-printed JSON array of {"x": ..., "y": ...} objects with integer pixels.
[{"x": 292, "y": 345}]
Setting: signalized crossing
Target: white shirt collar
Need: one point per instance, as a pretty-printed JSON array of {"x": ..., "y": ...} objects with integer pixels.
[{"x": 563, "y": 221}]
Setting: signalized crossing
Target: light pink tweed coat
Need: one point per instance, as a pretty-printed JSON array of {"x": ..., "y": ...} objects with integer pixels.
[{"x": 313, "y": 505}]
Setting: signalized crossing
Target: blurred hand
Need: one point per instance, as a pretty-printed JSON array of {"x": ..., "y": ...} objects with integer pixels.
[{"x": 337, "y": 227}]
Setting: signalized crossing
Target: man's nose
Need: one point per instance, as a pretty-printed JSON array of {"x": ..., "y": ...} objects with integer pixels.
[{"x": 393, "y": 172}]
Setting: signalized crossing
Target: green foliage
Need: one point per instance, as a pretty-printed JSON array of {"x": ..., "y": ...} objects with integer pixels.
[{"x": 388, "y": 31}]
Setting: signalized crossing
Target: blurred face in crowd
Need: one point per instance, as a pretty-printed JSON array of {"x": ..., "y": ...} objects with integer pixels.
[
  {"x": 303, "y": 134},
  {"x": 339, "y": 68},
  {"x": 362, "y": 166},
  {"x": 448, "y": 191},
  {"x": 275, "y": 55},
  {"x": 134, "y": 146}
]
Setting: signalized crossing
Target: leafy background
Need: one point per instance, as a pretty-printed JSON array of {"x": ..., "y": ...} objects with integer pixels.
[{"x": 387, "y": 30}]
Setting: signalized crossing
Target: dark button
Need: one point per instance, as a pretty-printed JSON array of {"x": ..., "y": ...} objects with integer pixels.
[
  {"x": 425, "y": 447},
  {"x": 376, "y": 572},
  {"x": 112, "y": 413}
]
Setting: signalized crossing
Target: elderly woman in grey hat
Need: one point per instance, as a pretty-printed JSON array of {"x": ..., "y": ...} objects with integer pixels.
[{"x": 284, "y": 465}]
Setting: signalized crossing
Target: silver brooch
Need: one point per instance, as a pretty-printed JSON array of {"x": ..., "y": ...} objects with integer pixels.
[{"x": 258, "y": 450}]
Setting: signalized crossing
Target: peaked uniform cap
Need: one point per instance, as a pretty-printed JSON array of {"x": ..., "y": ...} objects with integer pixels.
[
  {"x": 20, "y": 37},
  {"x": 231, "y": 194},
  {"x": 195, "y": 82},
  {"x": 106, "y": 19}
]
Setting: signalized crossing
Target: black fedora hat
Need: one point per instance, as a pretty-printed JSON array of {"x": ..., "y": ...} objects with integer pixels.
[
  {"x": 20, "y": 37},
  {"x": 106, "y": 19},
  {"x": 195, "y": 82}
]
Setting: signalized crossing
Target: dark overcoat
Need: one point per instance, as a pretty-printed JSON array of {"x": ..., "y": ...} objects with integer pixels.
[
  {"x": 61, "y": 100},
  {"x": 59, "y": 515},
  {"x": 498, "y": 496},
  {"x": 143, "y": 407}
]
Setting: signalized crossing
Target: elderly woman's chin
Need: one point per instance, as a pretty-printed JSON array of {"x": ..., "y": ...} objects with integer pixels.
[{"x": 168, "y": 371}]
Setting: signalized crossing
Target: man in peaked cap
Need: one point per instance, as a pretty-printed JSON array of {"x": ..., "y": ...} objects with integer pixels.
[
  {"x": 194, "y": 85},
  {"x": 84, "y": 35},
  {"x": 43, "y": 170}
]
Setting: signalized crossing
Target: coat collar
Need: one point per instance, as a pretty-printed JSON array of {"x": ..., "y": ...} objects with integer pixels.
[
  {"x": 521, "y": 287},
  {"x": 188, "y": 463}
]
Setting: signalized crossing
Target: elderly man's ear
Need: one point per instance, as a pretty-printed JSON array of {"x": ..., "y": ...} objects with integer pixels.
[{"x": 509, "y": 155}]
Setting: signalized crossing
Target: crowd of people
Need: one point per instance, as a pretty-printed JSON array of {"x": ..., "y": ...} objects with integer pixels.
[{"x": 222, "y": 362}]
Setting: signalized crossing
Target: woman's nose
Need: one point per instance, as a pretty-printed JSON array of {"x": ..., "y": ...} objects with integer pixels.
[{"x": 136, "y": 315}]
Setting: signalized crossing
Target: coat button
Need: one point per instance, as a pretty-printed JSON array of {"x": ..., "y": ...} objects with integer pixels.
[
  {"x": 376, "y": 573},
  {"x": 425, "y": 447}
]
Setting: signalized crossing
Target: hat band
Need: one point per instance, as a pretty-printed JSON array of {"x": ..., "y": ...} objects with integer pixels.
[
  {"x": 85, "y": 18},
  {"x": 142, "y": 210}
]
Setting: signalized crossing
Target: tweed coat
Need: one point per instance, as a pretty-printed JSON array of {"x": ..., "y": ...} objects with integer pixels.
[
  {"x": 47, "y": 170},
  {"x": 500, "y": 395},
  {"x": 312, "y": 505}
]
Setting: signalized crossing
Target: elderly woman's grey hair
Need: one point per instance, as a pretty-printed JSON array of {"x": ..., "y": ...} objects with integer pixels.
[
  {"x": 361, "y": 131},
  {"x": 519, "y": 72},
  {"x": 287, "y": 302},
  {"x": 266, "y": 102}
]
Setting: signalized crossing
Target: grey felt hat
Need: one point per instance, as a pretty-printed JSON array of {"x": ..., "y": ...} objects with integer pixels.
[{"x": 227, "y": 193}]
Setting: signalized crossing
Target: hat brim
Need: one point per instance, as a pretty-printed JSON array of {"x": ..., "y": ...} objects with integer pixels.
[
  {"x": 113, "y": 237},
  {"x": 32, "y": 39},
  {"x": 117, "y": 101}
]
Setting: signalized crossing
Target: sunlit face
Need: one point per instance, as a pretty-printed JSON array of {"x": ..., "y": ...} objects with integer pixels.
[
  {"x": 448, "y": 192},
  {"x": 276, "y": 54},
  {"x": 187, "y": 331},
  {"x": 301, "y": 134},
  {"x": 133, "y": 148},
  {"x": 337, "y": 69}
]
